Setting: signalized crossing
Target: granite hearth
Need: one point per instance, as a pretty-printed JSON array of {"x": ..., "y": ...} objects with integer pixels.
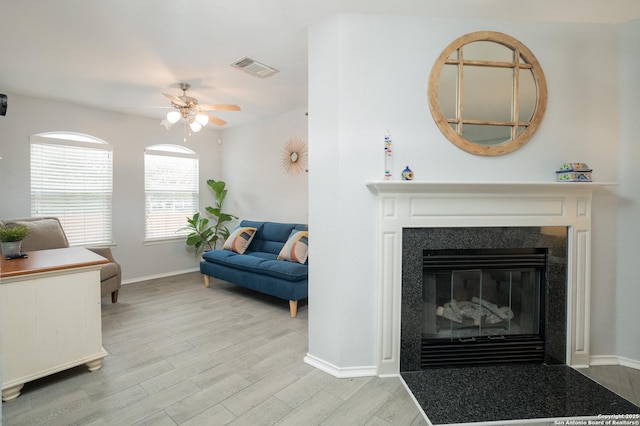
[{"x": 511, "y": 394}]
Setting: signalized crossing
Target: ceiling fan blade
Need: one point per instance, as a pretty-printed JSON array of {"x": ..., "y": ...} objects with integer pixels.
[
  {"x": 216, "y": 120},
  {"x": 176, "y": 100},
  {"x": 219, "y": 107}
]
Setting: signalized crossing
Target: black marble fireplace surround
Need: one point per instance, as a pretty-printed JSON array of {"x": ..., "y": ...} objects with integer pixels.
[
  {"x": 500, "y": 394},
  {"x": 414, "y": 240}
]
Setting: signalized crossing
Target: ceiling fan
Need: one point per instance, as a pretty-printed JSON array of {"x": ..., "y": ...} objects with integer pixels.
[{"x": 187, "y": 107}]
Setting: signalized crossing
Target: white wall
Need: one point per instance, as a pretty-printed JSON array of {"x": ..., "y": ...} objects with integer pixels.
[
  {"x": 626, "y": 308},
  {"x": 341, "y": 280},
  {"x": 129, "y": 135},
  {"x": 258, "y": 187},
  {"x": 369, "y": 74}
]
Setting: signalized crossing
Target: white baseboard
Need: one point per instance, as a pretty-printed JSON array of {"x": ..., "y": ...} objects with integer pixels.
[
  {"x": 339, "y": 372},
  {"x": 614, "y": 360},
  {"x": 154, "y": 277},
  {"x": 628, "y": 362},
  {"x": 344, "y": 373}
]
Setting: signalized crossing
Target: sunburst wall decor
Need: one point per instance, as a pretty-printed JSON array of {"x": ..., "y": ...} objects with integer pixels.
[{"x": 294, "y": 156}]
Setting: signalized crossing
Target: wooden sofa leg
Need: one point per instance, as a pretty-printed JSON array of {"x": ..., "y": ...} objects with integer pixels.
[
  {"x": 207, "y": 280},
  {"x": 114, "y": 297},
  {"x": 293, "y": 307}
]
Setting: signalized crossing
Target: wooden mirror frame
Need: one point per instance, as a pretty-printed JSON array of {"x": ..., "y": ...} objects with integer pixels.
[{"x": 523, "y": 58}]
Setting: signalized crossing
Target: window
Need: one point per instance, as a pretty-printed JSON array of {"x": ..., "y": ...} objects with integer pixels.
[
  {"x": 72, "y": 179},
  {"x": 170, "y": 190}
]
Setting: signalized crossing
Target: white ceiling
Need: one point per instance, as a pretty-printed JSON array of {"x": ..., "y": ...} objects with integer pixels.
[{"x": 122, "y": 54}]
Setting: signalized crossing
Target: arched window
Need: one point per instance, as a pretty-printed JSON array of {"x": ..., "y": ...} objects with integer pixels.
[
  {"x": 170, "y": 190},
  {"x": 72, "y": 179}
]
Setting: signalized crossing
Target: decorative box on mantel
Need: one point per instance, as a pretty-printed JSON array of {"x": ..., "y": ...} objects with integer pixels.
[
  {"x": 419, "y": 204},
  {"x": 574, "y": 172}
]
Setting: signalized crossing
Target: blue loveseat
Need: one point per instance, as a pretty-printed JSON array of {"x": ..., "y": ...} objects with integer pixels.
[{"x": 258, "y": 268}]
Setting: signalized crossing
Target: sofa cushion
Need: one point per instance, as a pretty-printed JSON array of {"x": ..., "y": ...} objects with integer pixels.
[
  {"x": 296, "y": 247},
  {"x": 44, "y": 234},
  {"x": 252, "y": 224},
  {"x": 270, "y": 236},
  {"x": 277, "y": 231},
  {"x": 239, "y": 239},
  {"x": 260, "y": 263}
]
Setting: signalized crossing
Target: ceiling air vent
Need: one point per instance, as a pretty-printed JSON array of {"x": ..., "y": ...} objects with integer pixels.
[{"x": 254, "y": 67}]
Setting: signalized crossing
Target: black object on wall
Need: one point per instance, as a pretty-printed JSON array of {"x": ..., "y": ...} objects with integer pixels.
[{"x": 3, "y": 104}]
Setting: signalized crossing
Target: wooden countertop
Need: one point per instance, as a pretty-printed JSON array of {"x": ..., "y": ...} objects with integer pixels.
[{"x": 50, "y": 260}]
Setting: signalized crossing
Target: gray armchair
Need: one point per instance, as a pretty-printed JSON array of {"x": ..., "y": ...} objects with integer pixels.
[{"x": 47, "y": 233}]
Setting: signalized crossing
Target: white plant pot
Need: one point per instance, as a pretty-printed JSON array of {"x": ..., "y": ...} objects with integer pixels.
[{"x": 11, "y": 249}]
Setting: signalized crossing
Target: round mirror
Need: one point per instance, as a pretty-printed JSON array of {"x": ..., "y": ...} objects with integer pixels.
[
  {"x": 294, "y": 157},
  {"x": 487, "y": 93}
]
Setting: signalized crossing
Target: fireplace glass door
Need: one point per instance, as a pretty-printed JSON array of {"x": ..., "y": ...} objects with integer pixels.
[
  {"x": 480, "y": 297},
  {"x": 473, "y": 303}
]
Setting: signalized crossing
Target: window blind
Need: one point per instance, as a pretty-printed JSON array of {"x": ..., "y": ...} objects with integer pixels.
[
  {"x": 72, "y": 180},
  {"x": 171, "y": 193}
]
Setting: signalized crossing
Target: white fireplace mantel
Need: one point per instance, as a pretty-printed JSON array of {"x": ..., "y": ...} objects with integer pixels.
[{"x": 416, "y": 204}]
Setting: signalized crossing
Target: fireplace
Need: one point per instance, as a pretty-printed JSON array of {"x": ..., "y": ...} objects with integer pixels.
[
  {"x": 508, "y": 285},
  {"x": 483, "y": 295},
  {"x": 483, "y": 306},
  {"x": 434, "y": 207}
]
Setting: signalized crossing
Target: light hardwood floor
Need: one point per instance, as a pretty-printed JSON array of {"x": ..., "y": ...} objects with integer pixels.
[
  {"x": 182, "y": 354},
  {"x": 624, "y": 381}
]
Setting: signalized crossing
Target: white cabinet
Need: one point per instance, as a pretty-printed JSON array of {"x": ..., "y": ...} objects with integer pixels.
[{"x": 51, "y": 321}]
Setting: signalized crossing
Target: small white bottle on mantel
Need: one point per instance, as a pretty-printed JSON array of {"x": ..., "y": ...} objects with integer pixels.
[{"x": 388, "y": 157}]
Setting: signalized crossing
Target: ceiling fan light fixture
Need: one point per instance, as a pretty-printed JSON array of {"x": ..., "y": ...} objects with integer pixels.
[
  {"x": 195, "y": 126},
  {"x": 202, "y": 119},
  {"x": 186, "y": 109},
  {"x": 173, "y": 116}
]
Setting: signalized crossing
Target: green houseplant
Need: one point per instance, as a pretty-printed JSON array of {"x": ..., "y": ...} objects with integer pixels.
[
  {"x": 11, "y": 237},
  {"x": 206, "y": 233}
]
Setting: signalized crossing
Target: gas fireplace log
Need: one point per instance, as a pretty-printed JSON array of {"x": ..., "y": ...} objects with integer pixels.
[{"x": 503, "y": 312}]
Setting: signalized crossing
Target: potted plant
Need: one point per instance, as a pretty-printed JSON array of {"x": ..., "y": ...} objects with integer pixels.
[
  {"x": 206, "y": 233},
  {"x": 11, "y": 237}
]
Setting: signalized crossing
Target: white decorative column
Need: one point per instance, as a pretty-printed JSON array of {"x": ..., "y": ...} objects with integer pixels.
[{"x": 413, "y": 204}]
